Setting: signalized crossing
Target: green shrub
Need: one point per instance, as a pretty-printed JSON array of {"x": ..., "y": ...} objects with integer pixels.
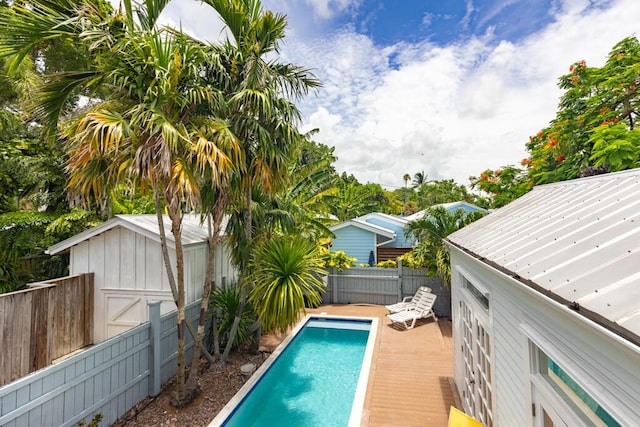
[
  {"x": 387, "y": 264},
  {"x": 338, "y": 259}
]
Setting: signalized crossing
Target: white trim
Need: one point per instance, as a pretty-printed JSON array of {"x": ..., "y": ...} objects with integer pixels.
[
  {"x": 599, "y": 385},
  {"x": 127, "y": 222},
  {"x": 376, "y": 229},
  {"x": 385, "y": 217}
]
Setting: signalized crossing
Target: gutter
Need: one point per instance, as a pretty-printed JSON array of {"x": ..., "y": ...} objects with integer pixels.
[{"x": 615, "y": 330}]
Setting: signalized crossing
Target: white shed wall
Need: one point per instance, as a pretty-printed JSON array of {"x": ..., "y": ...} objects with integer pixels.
[
  {"x": 608, "y": 368},
  {"x": 129, "y": 271}
]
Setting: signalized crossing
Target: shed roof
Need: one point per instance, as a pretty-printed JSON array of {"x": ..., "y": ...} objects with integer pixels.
[
  {"x": 576, "y": 241},
  {"x": 147, "y": 225}
]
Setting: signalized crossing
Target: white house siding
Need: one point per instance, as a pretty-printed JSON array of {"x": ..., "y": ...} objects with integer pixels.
[{"x": 606, "y": 367}]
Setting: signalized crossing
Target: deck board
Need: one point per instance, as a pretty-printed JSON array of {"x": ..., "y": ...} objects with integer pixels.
[{"x": 410, "y": 382}]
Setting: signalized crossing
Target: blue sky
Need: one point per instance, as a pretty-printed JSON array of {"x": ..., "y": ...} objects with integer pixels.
[{"x": 450, "y": 88}]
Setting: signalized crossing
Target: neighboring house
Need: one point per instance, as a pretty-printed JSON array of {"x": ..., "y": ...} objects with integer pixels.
[
  {"x": 378, "y": 237},
  {"x": 449, "y": 207},
  {"x": 371, "y": 238},
  {"x": 546, "y": 306},
  {"x": 125, "y": 256}
]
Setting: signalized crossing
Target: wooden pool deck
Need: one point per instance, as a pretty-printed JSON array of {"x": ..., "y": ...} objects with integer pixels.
[{"x": 411, "y": 377}]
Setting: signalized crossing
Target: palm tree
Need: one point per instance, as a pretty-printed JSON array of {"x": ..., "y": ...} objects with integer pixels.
[
  {"x": 418, "y": 179},
  {"x": 287, "y": 275},
  {"x": 430, "y": 232},
  {"x": 406, "y": 178},
  {"x": 259, "y": 108},
  {"x": 156, "y": 126}
]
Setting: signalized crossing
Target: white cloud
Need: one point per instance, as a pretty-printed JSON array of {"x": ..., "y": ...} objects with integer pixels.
[
  {"x": 327, "y": 9},
  {"x": 451, "y": 111}
]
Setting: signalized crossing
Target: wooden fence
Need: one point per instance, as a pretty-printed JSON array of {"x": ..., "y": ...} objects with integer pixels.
[
  {"x": 108, "y": 378},
  {"x": 382, "y": 286},
  {"x": 44, "y": 322}
]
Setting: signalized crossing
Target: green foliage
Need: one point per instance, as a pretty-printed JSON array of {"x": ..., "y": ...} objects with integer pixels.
[
  {"x": 387, "y": 264},
  {"x": 70, "y": 224},
  {"x": 414, "y": 259},
  {"x": 224, "y": 303},
  {"x": 502, "y": 185},
  {"x": 430, "y": 232},
  {"x": 95, "y": 421},
  {"x": 599, "y": 106},
  {"x": 286, "y": 274},
  {"x": 336, "y": 259},
  {"x": 22, "y": 234},
  {"x": 616, "y": 147}
]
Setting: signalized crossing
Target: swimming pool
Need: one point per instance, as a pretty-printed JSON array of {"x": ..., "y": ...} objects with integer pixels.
[{"x": 316, "y": 377}]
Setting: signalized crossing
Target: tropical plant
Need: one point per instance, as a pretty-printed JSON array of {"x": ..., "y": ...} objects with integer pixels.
[
  {"x": 430, "y": 232},
  {"x": 387, "y": 264},
  {"x": 418, "y": 179},
  {"x": 502, "y": 185},
  {"x": 336, "y": 259},
  {"x": 224, "y": 303},
  {"x": 599, "y": 105},
  {"x": 260, "y": 92},
  {"x": 157, "y": 127},
  {"x": 287, "y": 276}
]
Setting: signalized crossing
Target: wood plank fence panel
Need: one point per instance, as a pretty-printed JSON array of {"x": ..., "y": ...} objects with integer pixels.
[
  {"x": 108, "y": 378},
  {"x": 44, "y": 322}
]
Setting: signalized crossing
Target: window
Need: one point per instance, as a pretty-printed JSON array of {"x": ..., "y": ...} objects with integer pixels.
[
  {"x": 572, "y": 393},
  {"x": 479, "y": 296}
]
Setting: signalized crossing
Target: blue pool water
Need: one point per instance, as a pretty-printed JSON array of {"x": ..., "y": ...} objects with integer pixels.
[{"x": 312, "y": 382}]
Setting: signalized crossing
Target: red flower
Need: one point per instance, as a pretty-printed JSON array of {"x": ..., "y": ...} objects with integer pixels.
[{"x": 560, "y": 158}]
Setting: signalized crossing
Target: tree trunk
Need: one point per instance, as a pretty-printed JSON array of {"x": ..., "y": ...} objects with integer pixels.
[
  {"x": 181, "y": 397},
  {"x": 234, "y": 329},
  {"x": 248, "y": 231},
  {"x": 214, "y": 237}
]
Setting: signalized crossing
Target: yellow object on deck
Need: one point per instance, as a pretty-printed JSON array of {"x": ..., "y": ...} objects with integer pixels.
[{"x": 457, "y": 418}]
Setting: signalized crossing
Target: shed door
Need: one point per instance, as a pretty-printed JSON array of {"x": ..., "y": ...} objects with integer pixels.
[{"x": 477, "y": 393}]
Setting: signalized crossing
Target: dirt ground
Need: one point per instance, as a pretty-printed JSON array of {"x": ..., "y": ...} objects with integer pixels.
[{"x": 218, "y": 385}]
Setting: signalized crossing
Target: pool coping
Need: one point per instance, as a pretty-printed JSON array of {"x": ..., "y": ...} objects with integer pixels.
[{"x": 357, "y": 407}]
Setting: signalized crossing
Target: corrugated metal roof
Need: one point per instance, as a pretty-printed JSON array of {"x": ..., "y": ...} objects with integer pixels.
[
  {"x": 192, "y": 231},
  {"x": 578, "y": 240}
]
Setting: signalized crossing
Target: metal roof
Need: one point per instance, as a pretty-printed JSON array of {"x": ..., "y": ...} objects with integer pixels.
[
  {"x": 375, "y": 229},
  {"x": 576, "y": 241},
  {"x": 451, "y": 206},
  {"x": 192, "y": 231}
]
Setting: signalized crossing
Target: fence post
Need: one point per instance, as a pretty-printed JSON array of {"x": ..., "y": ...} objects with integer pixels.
[
  {"x": 400, "y": 284},
  {"x": 154, "y": 351},
  {"x": 334, "y": 284}
]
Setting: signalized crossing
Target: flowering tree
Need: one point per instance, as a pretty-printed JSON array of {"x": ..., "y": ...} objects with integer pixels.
[{"x": 596, "y": 120}]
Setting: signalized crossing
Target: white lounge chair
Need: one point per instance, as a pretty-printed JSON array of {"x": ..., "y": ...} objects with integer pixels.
[
  {"x": 408, "y": 302},
  {"x": 422, "y": 310}
]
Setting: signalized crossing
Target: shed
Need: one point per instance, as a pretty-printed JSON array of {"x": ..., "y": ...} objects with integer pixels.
[
  {"x": 125, "y": 256},
  {"x": 546, "y": 306}
]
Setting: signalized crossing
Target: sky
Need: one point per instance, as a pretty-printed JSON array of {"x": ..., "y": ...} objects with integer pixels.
[{"x": 445, "y": 87}]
